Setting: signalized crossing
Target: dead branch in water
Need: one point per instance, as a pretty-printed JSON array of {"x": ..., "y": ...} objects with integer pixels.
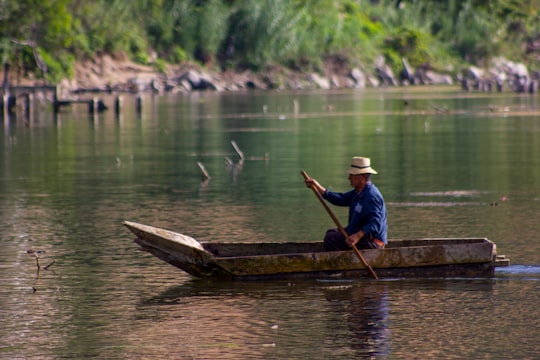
[
  {"x": 240, "y": 153},
  {"x": 204, "y": 173}
]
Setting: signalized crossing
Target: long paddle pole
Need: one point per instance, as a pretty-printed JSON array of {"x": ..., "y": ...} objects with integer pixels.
[{"x": 340, "y": 228}]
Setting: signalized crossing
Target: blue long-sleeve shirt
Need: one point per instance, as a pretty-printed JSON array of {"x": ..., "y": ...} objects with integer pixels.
[{"x": 367, "y": 211}]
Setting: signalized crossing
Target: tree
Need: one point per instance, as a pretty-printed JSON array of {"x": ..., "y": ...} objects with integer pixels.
[{"x": 37, "y": 34}]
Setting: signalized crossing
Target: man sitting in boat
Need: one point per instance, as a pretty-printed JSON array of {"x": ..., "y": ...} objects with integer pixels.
[{"x": 367, "y": 226}]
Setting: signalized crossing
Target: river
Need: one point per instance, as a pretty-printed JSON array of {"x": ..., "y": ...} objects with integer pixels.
[{"x": 451, "y": 164}]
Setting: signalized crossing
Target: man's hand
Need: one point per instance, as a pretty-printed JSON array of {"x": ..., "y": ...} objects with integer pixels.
[
  {"x": 354, "y": 238},
  {"x": 312, "y": 183}
]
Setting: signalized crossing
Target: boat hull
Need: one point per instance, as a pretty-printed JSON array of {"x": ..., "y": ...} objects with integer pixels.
[{"x": 251, "y": 261}]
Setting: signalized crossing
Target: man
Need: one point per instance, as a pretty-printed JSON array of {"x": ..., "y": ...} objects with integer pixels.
[{"x": 367, "y": 226}]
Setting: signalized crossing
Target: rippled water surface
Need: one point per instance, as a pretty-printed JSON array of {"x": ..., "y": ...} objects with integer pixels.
[{"x": 450, "y": 164}]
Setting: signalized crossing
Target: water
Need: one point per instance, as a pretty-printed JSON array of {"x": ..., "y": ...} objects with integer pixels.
[{"x": 450, "y": 164}]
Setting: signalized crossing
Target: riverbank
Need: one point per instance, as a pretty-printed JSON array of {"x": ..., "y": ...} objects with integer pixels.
[{"x": 121, "y": 75}]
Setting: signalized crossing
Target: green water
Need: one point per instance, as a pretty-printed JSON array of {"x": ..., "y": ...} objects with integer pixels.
[{"x": 450, "y": 164}]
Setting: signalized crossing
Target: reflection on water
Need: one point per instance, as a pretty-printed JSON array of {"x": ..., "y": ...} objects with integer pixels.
[
  {"x": 366, "y": 308},
  {"x": 532, "y": 272},
  {"x": 67, "y": 183},
  {"x": 251, "y": 315}
]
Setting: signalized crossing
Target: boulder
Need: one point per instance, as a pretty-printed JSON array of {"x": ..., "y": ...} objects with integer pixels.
[
  {"x": 358, "y": 77},
  {"x": 407, "y": 74},
  {"x": 199, "y": 80},
  {"x": 438, "y": 79},
  {"x": 319, "y": 81},
  {"x": 384, "y": 72}
]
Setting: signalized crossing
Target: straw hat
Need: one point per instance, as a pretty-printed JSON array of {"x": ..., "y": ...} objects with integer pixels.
[{"x": 361, "y": 165}]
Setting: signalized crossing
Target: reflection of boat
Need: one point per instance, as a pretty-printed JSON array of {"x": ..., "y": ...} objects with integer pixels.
[{"x": 400, "y": 258}]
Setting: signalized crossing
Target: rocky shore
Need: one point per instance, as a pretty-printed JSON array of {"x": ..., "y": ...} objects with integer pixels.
[{"x": 119, "y": 75}]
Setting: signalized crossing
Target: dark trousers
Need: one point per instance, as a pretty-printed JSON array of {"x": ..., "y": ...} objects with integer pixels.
[{"x": 335, "y": 241}]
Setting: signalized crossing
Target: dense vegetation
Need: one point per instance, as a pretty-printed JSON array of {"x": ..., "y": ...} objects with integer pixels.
[{"x": 48, "y": 36}]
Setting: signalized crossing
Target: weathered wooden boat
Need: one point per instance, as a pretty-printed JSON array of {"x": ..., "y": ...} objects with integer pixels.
[{"x": 249, "y": 261}]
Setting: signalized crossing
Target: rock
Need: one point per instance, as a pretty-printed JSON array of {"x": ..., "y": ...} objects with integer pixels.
[
  {"x": 193, "y": 78},
  {"x": 251, "y": 84},
  {"x": 334, "y": 82},
  {"x": 438, "y": 79},
  {"x": 519, "y": 77},
  {"x": 520, "y": 70},
  {"x": 533, "y": 86},
  {"x": 516, "y": 74},
  {"x": 208, "y": 83},
  {"x": 351, "y": 84},
  {"x": 373, "y": 81},
  {"x": 199, "y": 80},
  {"x": 474, "y": 73},
  {"x": 384, "y": 72},
  {"x": 358, "y": 77},
  {"x": 136, "y": 85},
  {"x": 185, "y": 85},
  {"x": 408, "y": 72},
  {"x": 319, "y": 81},
  {"x": 473, "y": 78}
]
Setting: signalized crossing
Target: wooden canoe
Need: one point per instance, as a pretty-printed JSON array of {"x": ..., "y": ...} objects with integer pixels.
[{"x": 250, "y": 261}]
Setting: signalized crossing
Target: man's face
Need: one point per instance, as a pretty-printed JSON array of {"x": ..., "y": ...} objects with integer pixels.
[{"x": 357, "y": 181}]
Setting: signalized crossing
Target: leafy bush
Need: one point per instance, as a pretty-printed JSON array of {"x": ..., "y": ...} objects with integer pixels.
[
  {"x": 412, "y": 44},
  {"x": 56, "y": 69},
  {"x": 160, "y": 65},
  {"x": 251, "y": 34},
  {"x": 263, "y": 32}
]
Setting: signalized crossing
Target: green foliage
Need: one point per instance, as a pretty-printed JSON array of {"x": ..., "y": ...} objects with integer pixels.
[
  {"x": 362, "y": 37},
  {"x": 299, "y": 34},
  {"x": 109, "y": 26},
  {"x": 263, "y": 32},
  {"x": 212, "y": 19},
  {"x": 57, "y": 68},
  {"x": 36, "y": 31},
  {"x": 6, "y": 50},
  {"x": 475, "y": 32},
  {"x": 411, "y": 44},
  {"x": 160, "y": 65},
  {"x": 178, "y": 55},
  {"x": 171, "y": 26}
]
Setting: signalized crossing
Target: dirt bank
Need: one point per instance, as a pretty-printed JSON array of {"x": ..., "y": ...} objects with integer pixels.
[{"x": 119, "y": 74}]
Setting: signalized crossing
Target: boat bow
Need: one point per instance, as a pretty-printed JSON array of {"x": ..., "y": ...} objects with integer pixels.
[{"x": 177, "y": 249}]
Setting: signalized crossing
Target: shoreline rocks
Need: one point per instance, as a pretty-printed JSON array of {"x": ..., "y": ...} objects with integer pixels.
[
  {"x": 501, "y": 72},
  {"x": 109, "y": 75}
]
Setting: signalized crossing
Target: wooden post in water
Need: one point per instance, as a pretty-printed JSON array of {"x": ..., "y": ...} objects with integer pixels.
[
  {"x": 28, "y": 98},
  {"x": 5, "y": 105},
  {"x": 138, "y": 104},
  {"x": 56, "y": 104},
  {"x": 5, "y": 89},
  {"x": 118, "y": 105},
  {"x": 96, "y": 105},
  {"x": 92, "y": 106}
]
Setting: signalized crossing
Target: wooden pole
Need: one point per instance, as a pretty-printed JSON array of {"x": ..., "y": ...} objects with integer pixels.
[
  {"x": 92, "y": 106},
  {"x": 118, "y": 105},
  {"x": 28, "y": 105},
  {"x": 341, "y": 229},
  {"x": 139, "y": 104},
  {"x": 5, "y": 106}
]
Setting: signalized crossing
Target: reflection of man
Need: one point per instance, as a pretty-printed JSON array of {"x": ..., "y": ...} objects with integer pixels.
[
  {"x": 367, "y": 226},
  {"x": 366, "y": 309}
]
